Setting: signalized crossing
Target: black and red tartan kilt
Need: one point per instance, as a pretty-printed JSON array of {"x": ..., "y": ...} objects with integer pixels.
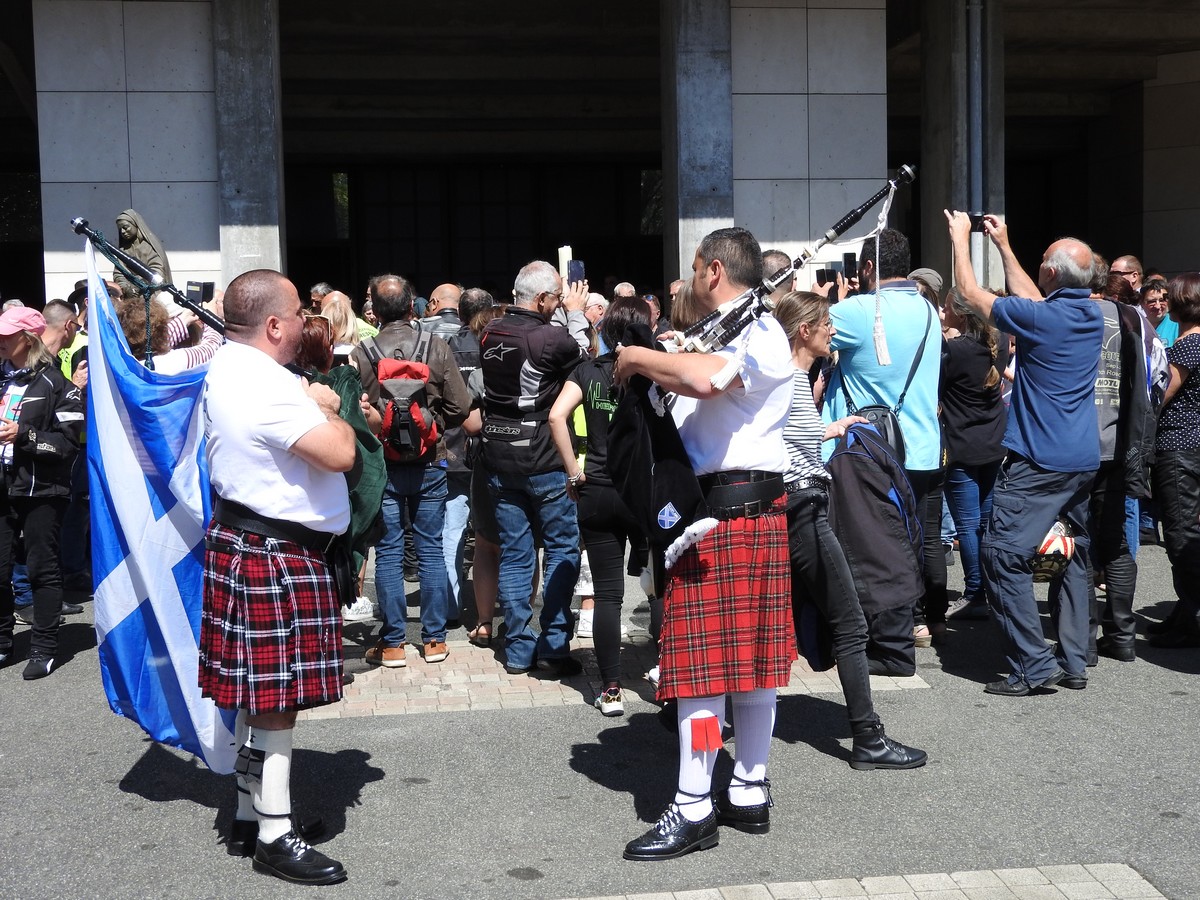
[
  {"x": 727, "y": 612},
  {"x": 270, "y": 629}
]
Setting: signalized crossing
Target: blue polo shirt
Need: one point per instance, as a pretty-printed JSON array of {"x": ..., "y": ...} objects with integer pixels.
[{"x": 1052, "y": 420}]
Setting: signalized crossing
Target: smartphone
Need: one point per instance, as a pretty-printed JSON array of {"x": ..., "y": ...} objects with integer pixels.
[
  {"x": 825, "y": 276},
  {"x": 976, "y": 221},
  {"x": 575, "y": 271},
  {"x": 850, "y": 265}
]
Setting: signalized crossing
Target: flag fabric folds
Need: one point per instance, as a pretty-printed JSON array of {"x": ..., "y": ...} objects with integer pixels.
[{"x": 149, "y": 505}]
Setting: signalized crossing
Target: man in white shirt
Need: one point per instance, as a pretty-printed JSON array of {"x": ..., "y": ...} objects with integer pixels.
[{"x": 270, "y": 631}]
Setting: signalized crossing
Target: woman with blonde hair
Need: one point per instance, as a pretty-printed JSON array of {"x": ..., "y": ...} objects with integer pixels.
[
  {"x": 345, "y": 327},
  {"x": 41, "y": 421},
  {"x": 820, "y": 573}
]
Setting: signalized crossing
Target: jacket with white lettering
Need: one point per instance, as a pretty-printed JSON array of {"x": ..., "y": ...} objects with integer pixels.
[
  {"x": 49, "y": 429},
  {"x": 525, "y": 361}
]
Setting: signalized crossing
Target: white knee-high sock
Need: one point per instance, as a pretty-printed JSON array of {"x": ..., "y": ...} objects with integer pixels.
[
  {"x": 245, "y": 799},
  {"x": 699, "y": 721},
  {"x": 753, "y": 723},
  {"x": 272, "y": 793}
]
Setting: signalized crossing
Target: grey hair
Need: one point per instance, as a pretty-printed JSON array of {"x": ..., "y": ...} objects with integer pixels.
[
  {"x": 537, "y": 277},
  {"x": 1067, "y": 272}
]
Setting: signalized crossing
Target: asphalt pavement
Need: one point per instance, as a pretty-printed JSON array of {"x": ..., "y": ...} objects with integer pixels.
[{"x": 538, "y": 802}]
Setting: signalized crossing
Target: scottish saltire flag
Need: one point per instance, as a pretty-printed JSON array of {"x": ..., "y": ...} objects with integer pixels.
[{"x": 149, "y": 490}]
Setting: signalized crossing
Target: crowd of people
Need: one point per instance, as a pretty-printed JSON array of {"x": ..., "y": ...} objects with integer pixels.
[{"x": 822, "y": 452}]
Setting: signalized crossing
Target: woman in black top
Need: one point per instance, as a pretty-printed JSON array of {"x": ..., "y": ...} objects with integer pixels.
[
  {"x": 974, "y": 418},
  {"x": 605, "y": 522},
  {"x": 1177, "y": 467}
]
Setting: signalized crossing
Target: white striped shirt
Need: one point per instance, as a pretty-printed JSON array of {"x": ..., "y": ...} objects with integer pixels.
[{"x": 802, "y": 434}]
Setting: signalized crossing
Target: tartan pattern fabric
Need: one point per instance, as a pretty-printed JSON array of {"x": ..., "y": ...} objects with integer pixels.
[
  {"x": 727, "y": 612},
  {"x": 270, "y": 628}
]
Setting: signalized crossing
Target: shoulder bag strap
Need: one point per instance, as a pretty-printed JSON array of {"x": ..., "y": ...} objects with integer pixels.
[{"x": 917, "y": 361}]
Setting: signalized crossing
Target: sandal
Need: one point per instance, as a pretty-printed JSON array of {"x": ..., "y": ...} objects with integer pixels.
[{"x": 481, "y": 635}]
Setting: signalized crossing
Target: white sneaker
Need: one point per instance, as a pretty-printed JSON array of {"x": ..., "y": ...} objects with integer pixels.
[
  {"x": 361, "y": 610},
  {"x": 652, "y": 677},
  {"x": 611, "y": 703},
  {"x": 586, "y": 617}
]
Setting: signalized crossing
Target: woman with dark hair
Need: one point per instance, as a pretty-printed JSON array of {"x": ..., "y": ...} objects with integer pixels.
[
  {"x": 820, "y": 572},
  {"x": 41, "y": 421},
  {"x": 974, "y": 419},
  {"x": 1177, "y": 467},
  {"x": 605, "y": 522}
]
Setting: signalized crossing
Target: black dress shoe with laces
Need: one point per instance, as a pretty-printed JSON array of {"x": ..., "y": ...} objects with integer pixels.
[
  {"x": 1073, "y": 682},
  {"x": 243, "y": 835},
  {"x": 875, "y": 750},
  {"x": 1006, "y": 688},
  {"x": 752, "y": 819},
  {"x": 293, "y": 860},
  {"x": 673, "y": 836}
]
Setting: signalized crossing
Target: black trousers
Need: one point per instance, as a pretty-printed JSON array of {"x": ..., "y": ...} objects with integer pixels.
[
  {"x": 820, "y": 573},
  {"x": 927, "y": 486},
  {"x": 1110, "y": 553},
  {"x": 1177, "y": 493},
  {"x": 40, "y": 520},
  {"x": 605, "y": 526}
]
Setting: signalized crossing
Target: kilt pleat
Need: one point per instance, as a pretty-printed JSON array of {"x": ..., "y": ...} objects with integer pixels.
[
  {"x": 270, "y": 629},
  {"x": 727, "y": 614}
]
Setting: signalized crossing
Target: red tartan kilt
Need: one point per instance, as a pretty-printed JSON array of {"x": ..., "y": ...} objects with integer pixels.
[
  {"x": 271, "y": 628},
  {"x": 727, "y": 612}
]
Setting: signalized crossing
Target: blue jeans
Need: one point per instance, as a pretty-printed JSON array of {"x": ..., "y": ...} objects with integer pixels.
[
  {"x": 969, "y": 495},
  {"x": 1025, "y": 503},
  {"x": 458, "y": 512},
  {"x": 422, "y": 489},
  {"x": 22, "y": 589},
  {"x": 523, "y": 503},
  {"x": 1133, "y": 521}
]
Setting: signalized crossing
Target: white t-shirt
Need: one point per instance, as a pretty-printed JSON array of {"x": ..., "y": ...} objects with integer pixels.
[
  {"x": 254, "y": 411},
  {"x": 743, "y": 427}
]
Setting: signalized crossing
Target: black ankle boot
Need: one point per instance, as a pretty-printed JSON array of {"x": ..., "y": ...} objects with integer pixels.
[
  {"x": 753, "y": 819},
  {"x": 875, "y": 750}
]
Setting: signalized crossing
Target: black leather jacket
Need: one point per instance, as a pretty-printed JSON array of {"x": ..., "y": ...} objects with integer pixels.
[{"x": 49, "y": 428}]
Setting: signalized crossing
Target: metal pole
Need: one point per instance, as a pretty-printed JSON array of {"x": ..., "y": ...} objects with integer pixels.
[{"x": 975, "y": 145}]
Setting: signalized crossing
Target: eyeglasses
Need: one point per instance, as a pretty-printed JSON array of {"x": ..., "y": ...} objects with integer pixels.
[
  {"x": 1157, "y": 301},
  {"x": 1121, "y": 272},
  {"x": 557, "y": 295}
]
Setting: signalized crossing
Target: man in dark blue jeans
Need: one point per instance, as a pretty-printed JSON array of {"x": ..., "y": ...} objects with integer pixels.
[
  {"x": 416, "y": 487},
  {"x": 1053, "y": 446},
  {"x": 525, "y": 361}
]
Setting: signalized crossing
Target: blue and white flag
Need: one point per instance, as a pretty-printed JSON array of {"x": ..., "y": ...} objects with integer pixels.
[{"x": 150, "y": 502}]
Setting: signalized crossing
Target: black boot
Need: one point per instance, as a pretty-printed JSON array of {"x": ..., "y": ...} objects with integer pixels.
[
  {"x": 753, "y": 819},
  {"x": 875, "y": 750}
]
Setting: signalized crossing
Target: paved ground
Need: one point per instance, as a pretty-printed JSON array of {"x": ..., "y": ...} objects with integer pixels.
[{"x": 457, "y": 780}]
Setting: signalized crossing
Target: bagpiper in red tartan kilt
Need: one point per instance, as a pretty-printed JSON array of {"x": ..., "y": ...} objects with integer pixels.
[
  {"x": 271, "y": 629},
  {"x": 727, "y": 614}
]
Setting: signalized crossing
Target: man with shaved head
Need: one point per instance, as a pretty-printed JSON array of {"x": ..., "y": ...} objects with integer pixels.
[
  {"x": 441, "y": 313},
  {"x": 1053, "y": 450},
  {"x": 271, "y": 629}
]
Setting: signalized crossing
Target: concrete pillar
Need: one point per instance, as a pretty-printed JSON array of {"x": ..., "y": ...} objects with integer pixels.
[
  {"x": 126, "y": 107},
  {"x": 249, "y": 135},
  {"x": 697, "y": 127},
  {"x": 943, "y": 171},
  {"x": 1170, "y": 163}
]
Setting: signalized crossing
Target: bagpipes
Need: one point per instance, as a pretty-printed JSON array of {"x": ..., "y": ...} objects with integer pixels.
[
  {"x": 148, "y": 283},
  {"x": 728, "y": 320},
  {"x": 646, "y": 455}
]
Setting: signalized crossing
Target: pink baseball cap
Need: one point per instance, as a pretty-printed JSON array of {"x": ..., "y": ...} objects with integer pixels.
[{"x": 21, "y": 318}]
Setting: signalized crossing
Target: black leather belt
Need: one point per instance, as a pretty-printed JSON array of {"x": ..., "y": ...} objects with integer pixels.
[
  {"x": 234, "y": 515},
  {"x": 741, "y": 493}
]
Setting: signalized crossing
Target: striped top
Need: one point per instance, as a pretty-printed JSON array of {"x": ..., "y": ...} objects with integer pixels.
[{"x": 802, "y": 435}]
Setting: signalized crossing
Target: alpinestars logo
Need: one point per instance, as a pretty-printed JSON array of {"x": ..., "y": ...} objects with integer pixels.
[
  {"x": 497, "y": 352},
  {"x": 668, "y": 517}
]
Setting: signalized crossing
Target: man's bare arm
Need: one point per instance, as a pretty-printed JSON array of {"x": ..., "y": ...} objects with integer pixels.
[
  {"x": 686, "y": 374},
  {"x": 1018, "y": 280},
  {"x": 330, "y": 446},
  {"x": 964, "y": 275}
]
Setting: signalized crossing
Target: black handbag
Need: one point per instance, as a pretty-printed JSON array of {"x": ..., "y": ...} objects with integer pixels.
[{"x": 883, "y": 418}]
